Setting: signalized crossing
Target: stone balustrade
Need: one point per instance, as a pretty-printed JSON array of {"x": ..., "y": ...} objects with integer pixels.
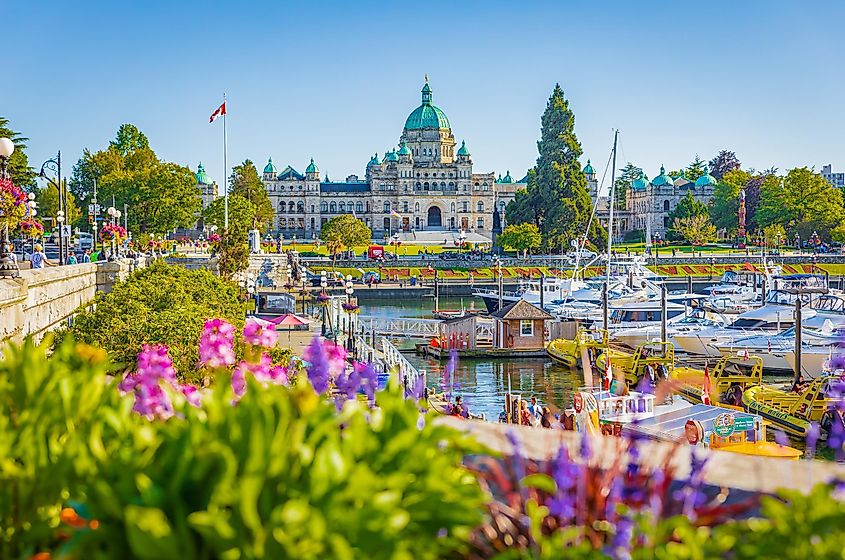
[{"x": 44, "y": 299}]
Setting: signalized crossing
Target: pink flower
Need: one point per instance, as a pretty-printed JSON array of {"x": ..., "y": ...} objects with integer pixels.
[
  {"x": 239, "y": 378},
  {"x": 216, "y": 347},
  {"x": 259, "y": 335},
  {"x": 192, "y": 394},
  {"x": 154, "y": 369}
]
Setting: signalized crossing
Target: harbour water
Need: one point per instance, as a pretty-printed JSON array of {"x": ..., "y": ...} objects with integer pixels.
[{"x": 482, "y": 383}]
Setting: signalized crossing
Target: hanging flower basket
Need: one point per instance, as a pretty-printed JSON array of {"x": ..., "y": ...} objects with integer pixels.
[
  {"x": 214, "y": 238},
  {"x": 31, "y": 227},
  {"x": 323, "y": 298},
  {"x": 112, "y": 232},
  {"x": 351, "y": 307},
  {"x": 12, "y": 203}
]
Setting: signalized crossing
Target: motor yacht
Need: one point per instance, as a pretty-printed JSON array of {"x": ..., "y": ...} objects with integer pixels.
[{"x": 772, "y": 348}]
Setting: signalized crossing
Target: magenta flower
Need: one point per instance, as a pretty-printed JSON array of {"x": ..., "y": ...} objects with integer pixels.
[
  {"x": 154, "y": 369},
  {"x": 217, "y": 344},
  {"x": 192, "y": 394},
  {"x": 326, "y": 361},
  {"x": 259, "y": 335},
  {"x": 239, "y": 378}
]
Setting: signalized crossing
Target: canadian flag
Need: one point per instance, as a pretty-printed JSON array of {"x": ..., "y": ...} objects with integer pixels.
[
  {"x": 608, "y": 373},
  {"x": 218, "y": 113},
  {"x": 706, "y": 387}
]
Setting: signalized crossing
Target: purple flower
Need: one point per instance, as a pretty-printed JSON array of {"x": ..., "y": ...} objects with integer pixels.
[
  {"x": 368, "y": 380},
  {"x": 644, "y": 386},
  {"x": 259, "y": 335},
  {"x": 216, "y": 346},
  {"x": 620, "y": 546},
  {"x": 417, "y": 390},
  {"x": 781, "y": 438},
  {"x": 586, "y": 450},
  {"x": 812, "y": 439},
  {"x": 326, "y": 360},
  {"x": 239, "y": 378},
  {"x": 614, "y": 496},
  {"x": 566, "y": 475},
  {"x": 836, "y": 436},
  {"x": 693, "y": 494}
]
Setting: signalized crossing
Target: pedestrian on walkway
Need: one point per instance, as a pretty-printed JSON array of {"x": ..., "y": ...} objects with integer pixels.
[{"x": 38, "y": 258}]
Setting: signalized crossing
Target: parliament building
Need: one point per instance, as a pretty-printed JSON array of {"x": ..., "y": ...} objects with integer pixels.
[{"x": 425, "y": 183}]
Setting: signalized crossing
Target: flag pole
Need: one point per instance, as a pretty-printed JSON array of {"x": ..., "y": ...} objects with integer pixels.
[{"x": 225, "y": 171}]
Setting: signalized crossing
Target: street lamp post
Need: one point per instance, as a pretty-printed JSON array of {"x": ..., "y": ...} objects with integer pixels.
[
  {"x": 324, "y": 283},
  {"x": 462, "y": 236},
  {"x": 8, "y": 267},
  {"x": 56, "y": 166},
  {"x": 32, "y": 210}
]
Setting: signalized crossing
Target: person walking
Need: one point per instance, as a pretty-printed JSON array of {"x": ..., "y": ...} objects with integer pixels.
[
  {"x": 71, "y": 259},
  {"x": 38, "y": 258},
  {"x": 86, "y": 256}
]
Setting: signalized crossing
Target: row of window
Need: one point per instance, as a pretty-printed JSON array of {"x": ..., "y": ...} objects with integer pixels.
[
  {"x": 299, "y": 223},
  {"x": 342, "y": 207}
]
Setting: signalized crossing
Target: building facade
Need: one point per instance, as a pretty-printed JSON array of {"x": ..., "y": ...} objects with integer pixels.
[
  {"x": 426, "y": 183},
  {"x": 835, "y": 179},
  {"x": 208, "y": 193},
  {"x": 648, "y": 202}
]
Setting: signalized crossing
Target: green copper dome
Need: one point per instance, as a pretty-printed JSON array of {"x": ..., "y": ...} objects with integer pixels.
[
  {"x": 311, "y": 167},
  {"x": 404, "y": 150},
  {"x": 391, "y": 156},
  {"x": 588, "y": 170},
  {"x": 706, "y": 180},
  {"x": 270, "y": 168},
  {"x": 507, "y": 178},
  {"x": 662, "y": 179},
  {"x": 202, "y": 178},
  {"x": 374, "y": 160},
  {"x": 462, "y": 151},
  {"x": 426, "y": 115},
  {"x": 641, "y": 183}
]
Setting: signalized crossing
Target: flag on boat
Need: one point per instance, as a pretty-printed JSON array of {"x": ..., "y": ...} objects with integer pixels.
[
  {"x": 395, "y": 214},
  {"x": 706, "y": 387},
  {"x": 746, "y": 356},
  {"x": 218, "y": 113},
  {"x": 769, "y": 343},
  {"x": 608, "y": 373}
]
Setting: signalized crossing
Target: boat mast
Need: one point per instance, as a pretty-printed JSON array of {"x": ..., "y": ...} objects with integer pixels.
[{"x": 611, "y": 202}]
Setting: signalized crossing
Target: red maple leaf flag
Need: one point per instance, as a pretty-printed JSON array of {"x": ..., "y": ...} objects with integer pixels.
[
  {"x": 218, "y": 113},
  {"x": 706, "y": 388}
]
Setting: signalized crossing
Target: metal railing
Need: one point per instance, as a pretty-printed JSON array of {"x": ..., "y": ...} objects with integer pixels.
[
  {"x": 400, "y": 327},
  {"x": 393, "y": 359}
]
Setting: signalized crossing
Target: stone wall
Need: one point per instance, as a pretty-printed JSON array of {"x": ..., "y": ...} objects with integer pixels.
[{"x": 44, "y": 299}]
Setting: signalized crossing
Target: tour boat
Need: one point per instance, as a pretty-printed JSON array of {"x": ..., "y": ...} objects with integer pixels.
[
  {"x": 772, "y": 348},
  {"x": 792, "y": 410},
  {"x": 729, "y": 378}
]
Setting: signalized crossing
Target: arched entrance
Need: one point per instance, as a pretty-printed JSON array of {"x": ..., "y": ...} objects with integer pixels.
[{"x": 434, "y": 217}]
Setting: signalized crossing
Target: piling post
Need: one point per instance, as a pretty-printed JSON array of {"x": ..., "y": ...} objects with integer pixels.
[
  {"x": 501, "y": 289},
  {"x": 542, "y": 295},
  {"x": 436, "y": 293},
  {"x": 798, "y": 328},
  {"x": 763, "y": 290},
  {"x": 689, "y": 284}
]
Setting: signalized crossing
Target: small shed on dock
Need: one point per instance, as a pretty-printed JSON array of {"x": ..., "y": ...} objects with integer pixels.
[
  {"x": 520, "y": 326},
  {"x": 459, "y": 333}
]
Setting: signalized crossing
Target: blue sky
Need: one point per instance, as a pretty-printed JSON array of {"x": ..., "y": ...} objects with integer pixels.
[{"x": 336, "y": 80}]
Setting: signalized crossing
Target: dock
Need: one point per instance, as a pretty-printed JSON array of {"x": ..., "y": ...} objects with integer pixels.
[{"x": 426, "y": 349}]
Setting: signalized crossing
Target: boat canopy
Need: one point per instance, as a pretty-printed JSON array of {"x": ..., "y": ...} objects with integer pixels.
[{"x": 670, "y": 425}]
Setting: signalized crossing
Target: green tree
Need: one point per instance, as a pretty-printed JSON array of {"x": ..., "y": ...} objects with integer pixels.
[
  {"x": 160, "y": 195},
  {"x": 627, "y": 175},
  {"x": 724, "y": 162},
  {"x": 688, "y": 206},
  {"x": 802, "y": 201},
  {"x": 774, "y": 235},
  {"x": 695, "y": 169},
  {"x": 344, "y": 232},
  {"x": 724, "y": 208},
  {"x": 695, "y": 229},
  {"x": 47, "y": 198},
  {"x": 247, "y": 183},
  {"x": 161, "y": 304},
  {"x": 556, "y": 198},
  {"x": 232, "y": 254},
  {"x": 241, "y": 215},
  {"x": 522, "y": 237},
  {"x": 18, "y": 165}
]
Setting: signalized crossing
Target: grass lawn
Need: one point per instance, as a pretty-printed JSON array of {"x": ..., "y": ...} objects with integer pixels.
[{"x": 362, "y": 249}]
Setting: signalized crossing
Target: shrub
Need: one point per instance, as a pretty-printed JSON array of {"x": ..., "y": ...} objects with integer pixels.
[
  {"x": 635, "y": 236},
  {"x": 160, "y": 304}
]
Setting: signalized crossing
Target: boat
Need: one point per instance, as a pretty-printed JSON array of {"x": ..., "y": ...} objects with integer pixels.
[
  {"x": 772, "y": 348},
  {"x": 792, "y": 410},
  {"x": 632, "y": 364},
  {"x": 714, "y": 428},
  {"x": 815, "y": 360},
  {"x": 569, "y": 352},
  {"x": 730, "y": 377},
  {"x": 695, "y": 319}
]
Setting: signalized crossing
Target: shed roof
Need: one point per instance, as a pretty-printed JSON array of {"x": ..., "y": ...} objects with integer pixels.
[{"x": 521, "y": 310}]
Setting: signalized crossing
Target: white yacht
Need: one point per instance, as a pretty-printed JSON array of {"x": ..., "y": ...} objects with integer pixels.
[
  {"x": 692, "y": 321},
  {"x": 776, "y": 315},
  {"x": 772, "y": 348},
  {"x": 817, "y": 360}
]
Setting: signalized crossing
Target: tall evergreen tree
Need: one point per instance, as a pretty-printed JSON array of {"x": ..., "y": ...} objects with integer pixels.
[
  {"x": 556, "y": 198},
  {"x": 247, "y": 183},
  {"x": 695, "y": 169},
  {"x": 627, "y": 175}
]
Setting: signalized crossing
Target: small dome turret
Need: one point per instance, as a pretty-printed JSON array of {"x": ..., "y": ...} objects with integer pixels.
[
  {"x": 202, "y": 178},
  {"x": 463, "y": 151},
  {"x": 404, "y": 150},
  {"x": 373, "y": 161},
  {"x": 706, "y": 180},
  {"x": 270, "y": 168},
  {"x": 662, "y": 179},
  {"x": 588, "y": 169},
  {"x": 641, "y": 183},
  {"x": 311, "y": 167}
]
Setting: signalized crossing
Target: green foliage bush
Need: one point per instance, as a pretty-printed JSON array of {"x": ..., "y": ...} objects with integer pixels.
[
  {"x": 280, "y": 475},
  {"x": 162, "y": 304}
]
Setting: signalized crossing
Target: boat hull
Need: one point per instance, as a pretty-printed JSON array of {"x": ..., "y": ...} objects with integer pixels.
[{"x": 787, "y": 422}]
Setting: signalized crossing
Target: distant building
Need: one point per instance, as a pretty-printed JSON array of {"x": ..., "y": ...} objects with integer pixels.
[
  {"x": 648, "y": 203},
  {"x": 835, "y": 179},
  {"x": 427, "y": 184},
  {"x": 208, "y": 193}
]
